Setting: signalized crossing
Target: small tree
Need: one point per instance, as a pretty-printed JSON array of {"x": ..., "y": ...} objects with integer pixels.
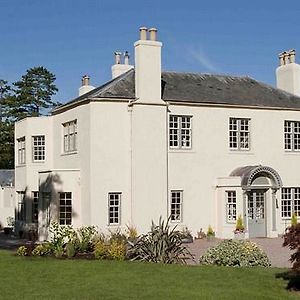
[
  {"x": 33, "y": 93},
  {"x": 239, "y": 226},
  {"x": 292, "y": 240},
  {"x": 294, "y": 220}
]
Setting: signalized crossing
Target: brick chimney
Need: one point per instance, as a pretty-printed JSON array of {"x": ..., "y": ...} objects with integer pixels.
[{"x": 288, "y": 73}]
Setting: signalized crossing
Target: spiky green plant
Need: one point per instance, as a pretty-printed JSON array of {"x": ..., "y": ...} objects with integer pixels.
[
  {"x": 239, "y": 226},
  {"x": 160, "y": 245}
]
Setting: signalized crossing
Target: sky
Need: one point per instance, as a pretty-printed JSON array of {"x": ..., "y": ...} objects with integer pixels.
[{"x": 72, "y": 38}]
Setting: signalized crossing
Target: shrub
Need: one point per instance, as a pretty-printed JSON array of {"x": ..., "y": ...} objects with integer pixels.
[
  {"x": 42, "y": 250},
  {"x": 131, "y": 232},
  {"x": 292, "y": 240},
  {"x": 210, "y": 231},
  {"x": 70, "y": 249},
  {"x": 160, "y": 245},
  {"x": 85, "y": 238},
  {"x": 116, "y": 250},
  {"x": 239, "y": 226},
  {"x": 22, "y": 251},
  {"x": 236, "y": 253},
  {"x": 117, "y": 235},
  {"x": 101, "y": 250},
  {"x": 294, "y": 220}
]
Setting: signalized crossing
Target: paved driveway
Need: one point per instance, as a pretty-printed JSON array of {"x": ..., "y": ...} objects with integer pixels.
[{"x": 278, "y": 255}]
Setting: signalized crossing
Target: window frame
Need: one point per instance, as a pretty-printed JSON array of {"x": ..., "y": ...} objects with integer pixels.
[
  {"x": 290, "y": 136},
  {"x": 38, "y": 148},
  {"x": 70, "y": 132},
  {"x": 238, "y": 135},
  {"x": 111, "y": 209},
  {"x": 63, "y": 216},
  {"x": 290, "y": 201},
  {"x": 233, "y": 204},
  {"x": 35, "y": 207},
  {"x": 177, "y": 206},
  {"x": 21, "y": 207},
  {"x": 178, "y": 131},
  {"x": 21, "y": 150}
]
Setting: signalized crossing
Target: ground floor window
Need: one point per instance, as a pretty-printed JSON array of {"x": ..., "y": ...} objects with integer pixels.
[
  {"x": 176, "y": 206},
  {"x": 35, "y": 207},
  {"x": 21, "y": 206},
  {"x": 65, "y": 208},
  {"x": 231, "y": 206},
  {"x": 290, "y": 202},
  {"x": 114, "y": 203}
]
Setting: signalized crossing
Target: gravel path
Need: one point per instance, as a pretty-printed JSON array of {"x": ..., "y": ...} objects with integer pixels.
[{"x": 278, "y": 255}]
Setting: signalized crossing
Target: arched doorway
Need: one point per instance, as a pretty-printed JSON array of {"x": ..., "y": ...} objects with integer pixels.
[{"x": 259, "y": 184}]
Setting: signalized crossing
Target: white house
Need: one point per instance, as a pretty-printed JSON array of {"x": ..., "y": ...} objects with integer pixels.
[
  {"x": 7, "y": 196},
  {"x": 197, "y": 147}
]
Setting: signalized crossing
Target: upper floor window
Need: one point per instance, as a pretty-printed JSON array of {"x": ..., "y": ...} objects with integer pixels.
[
  {"x": 65, "y": 208},
  {"x": 292, "y": 135},
  {"x": 180, "y": 132},
  {"x": 114, "y": 206},
  {"x": 239, "y": 134},
  {"x": 38, "y": 148},
  {"x": 231, "y": 206},
  {"x": 290, "y": 202},
  {"x": 176, "y": 206},
  {"x": 70, "y": 136},
  {"x": 21, "y": 150}
]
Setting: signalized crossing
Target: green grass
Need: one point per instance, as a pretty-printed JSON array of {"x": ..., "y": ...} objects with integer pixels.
[{"x": 47, "y": 278}]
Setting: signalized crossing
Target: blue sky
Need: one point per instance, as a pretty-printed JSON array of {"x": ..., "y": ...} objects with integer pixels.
[{"x": 72, "y": 38}]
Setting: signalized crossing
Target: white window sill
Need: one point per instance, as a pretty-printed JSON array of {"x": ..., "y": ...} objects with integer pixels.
[
  {"x": 291, "y": 152},
  {"x": 241, "y": 152},
  {"x": 39, "y": 161},
  {"x": 21, "y": 166},
  {"x": 69, "y": 153}
]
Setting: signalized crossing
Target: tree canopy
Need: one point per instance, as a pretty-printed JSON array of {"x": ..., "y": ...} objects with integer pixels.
[{"x": 31, "y": 96}]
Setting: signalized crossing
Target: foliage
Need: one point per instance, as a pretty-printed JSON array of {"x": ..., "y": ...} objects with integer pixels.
[
  {"x": 239, "y": 226},
  {"x": 116, "y": 250},
  {"x": 210, "y": 231},
  {"x": 42, "y": 250},
  {"x": 292, "y": 240},
  {"x": 86, "y": 235},
  {"x": 22, "y": 251},
  {"x": 117, "y": 235},
  {"x": 60, "y": 235},
  {"x": 131, "y": 232},
  {"x": 6, "y": 144},
  {"x": 294, "y": 220},
  {"x": 100, "y": 251},
  {"x": 201, "y": 234},
  {"x": 186, "y": 235},
  {"x": 10, "y": 221},
  {"x": 161, "y": 245},
  {"x": 235, "y": 253},
  {"x": 70, "y": 249},
  {"x": 33, "y": 93}
]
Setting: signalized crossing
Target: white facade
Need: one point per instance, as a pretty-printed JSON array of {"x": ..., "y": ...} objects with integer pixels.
[{"x": 113, "y": 162}]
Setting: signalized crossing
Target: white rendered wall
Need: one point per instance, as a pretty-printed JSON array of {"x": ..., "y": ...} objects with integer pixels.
[{"x": 7, "y": 204}]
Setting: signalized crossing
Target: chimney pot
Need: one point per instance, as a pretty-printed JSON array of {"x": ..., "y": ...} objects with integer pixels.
[
  {"x": 118, "y": 57},
  {"x": 153, "y": 34},
  {"x": 143, "y": 33},
  {"x": 85, "y": 80},
  {"x": 281, "y": 58},
  {"x": 126, "y": 58},
  {"x": 292, "y": 53}
]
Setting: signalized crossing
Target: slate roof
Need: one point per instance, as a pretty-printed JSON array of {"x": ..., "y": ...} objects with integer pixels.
[
  {"x": 201, "y": 88},
  {"x": 7, "y": 178}
]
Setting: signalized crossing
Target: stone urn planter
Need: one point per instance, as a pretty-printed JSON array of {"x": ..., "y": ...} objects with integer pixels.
[{"x": 8, "y": 230}]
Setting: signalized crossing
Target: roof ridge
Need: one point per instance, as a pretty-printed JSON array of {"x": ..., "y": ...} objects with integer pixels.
[{"x": 208, "y": 74}]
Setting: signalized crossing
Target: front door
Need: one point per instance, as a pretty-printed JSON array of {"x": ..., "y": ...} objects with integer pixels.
[{"x": 257, "y": 213}]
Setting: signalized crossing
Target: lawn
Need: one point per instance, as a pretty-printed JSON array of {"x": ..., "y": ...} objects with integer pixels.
[{"x": 47, "y": 278}]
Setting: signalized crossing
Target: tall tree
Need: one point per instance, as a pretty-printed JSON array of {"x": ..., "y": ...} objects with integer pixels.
[
  {"x": 33, "y": 93},
  {"x": 6, "y": 129}
]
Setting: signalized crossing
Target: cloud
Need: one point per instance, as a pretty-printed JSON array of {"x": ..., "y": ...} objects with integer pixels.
[{"x": 197, "y": 54}]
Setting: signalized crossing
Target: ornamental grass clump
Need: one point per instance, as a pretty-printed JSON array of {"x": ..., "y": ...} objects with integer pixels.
[
  {"x": 160, "y": 245},
  {"x": 235, "y": 253}
]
